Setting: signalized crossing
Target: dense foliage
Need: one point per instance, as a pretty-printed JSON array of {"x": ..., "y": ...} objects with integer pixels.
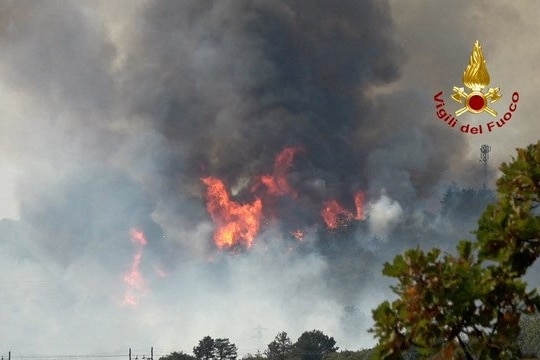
[
  {"x": 215, "y": 349},
  {"x": 281, "y": 348},
  {"x": 177, "y": 356},
  {"x": 311, "y": 345},
  {"x": 461, "y": 205},
  {"x": 469, "y": 305},
  {"x": 314, "y": 345}
]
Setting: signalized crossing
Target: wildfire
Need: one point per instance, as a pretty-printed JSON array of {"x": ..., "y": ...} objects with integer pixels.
[
  {"x": 133, "y": 277},
  {"x": 298, "y": 234},
  {"x": 235, "y": 223},
  {"x": 277, "y": 184},
  {"x": 335, "y": 215},
  {"x": 138, "y": 238},
  {"x": 359, "y": 204},
  {"x": 238, "y": 224}
]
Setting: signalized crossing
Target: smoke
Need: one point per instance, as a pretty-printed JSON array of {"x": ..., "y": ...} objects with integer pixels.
[
  {"x": 384, "y": 215},
  {"x": 115, "y": 111},
  {"x": 231, "y": 84}
]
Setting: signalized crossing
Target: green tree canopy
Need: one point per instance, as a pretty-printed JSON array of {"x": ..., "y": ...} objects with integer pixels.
[
  {"x": 314, "y": 345},
  {"x": 177, "y": 356},
  {"x": 224, "y": 349},
  {"x": 257, "y": 356},
  {"x": 215, "y": 349},
  {"x": 281, "y": 348},
  {"x": 469, "y": 305},
  {"x": 205, "y": 349},
  {"x": 365, "y": 354}
]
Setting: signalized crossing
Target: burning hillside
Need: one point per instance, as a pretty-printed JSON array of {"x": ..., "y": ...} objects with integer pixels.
[{"x": 239, "y": 223}]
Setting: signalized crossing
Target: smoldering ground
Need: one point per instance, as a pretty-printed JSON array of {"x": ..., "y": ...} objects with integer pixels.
[{"x": 113, "y": 115}]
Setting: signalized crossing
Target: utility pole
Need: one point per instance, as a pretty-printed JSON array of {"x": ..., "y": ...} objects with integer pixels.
[{"x": 144, "y": 356}]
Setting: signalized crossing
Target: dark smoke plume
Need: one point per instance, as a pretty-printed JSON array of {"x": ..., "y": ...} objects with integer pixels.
[
  {"x": 230, "y": 84},
  {"x": 120, "y": 119}
]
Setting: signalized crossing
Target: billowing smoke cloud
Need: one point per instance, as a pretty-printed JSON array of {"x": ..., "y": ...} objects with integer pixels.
[
  {"x": 384, "y": 215},
  {"x": 229, "y": 85},
  {"x": 115, "y": 111}
]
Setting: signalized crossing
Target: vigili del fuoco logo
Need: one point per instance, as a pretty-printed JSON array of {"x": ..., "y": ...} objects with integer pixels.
[{"x": 477, "y": 101}]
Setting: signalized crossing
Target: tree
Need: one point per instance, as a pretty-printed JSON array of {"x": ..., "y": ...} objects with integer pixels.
[
  {"x": 468, "y": 306},
  {"x": 281, "y": 348},
  {"x": 461, "y": 205},
  {"x": 224, "y": 349},
  {"x": 177, "y": 356},
  {"x": 256, "y": 356},
  {"x": 210, "y": 349},
  {"x": 365, "y": 354},
  {"x": 314, "y": 345},
  {"x": 205, "y": 349}
]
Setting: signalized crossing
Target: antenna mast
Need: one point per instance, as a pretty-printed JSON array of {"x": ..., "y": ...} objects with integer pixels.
[{"x": 484, "y": 157}]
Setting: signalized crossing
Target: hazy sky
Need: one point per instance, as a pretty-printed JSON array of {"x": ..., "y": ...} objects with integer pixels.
[{"x": 112, "y": 111}]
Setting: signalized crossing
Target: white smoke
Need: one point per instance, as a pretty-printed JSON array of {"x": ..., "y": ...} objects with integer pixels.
[{"x": 384, "y": 215}]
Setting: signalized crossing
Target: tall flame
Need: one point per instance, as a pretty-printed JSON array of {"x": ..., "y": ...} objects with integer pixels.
[
  {"x": 239, "y": 224},
  {"x": 133, "y": 277},
  {"x": 359, "y": 204},
  {"x": 236, "y": 224},
  {"x": 476, "y": 76},
  {"x": 277, "y": 183}
]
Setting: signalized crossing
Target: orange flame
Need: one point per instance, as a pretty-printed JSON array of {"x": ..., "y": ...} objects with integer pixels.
[
  {"x": 359, "y": 203},
  {"x": 335, "y": 215},
  {"x": 137, "y": 236},
  {"x": 299, "y": 235},
  {"x": 133, "y": 277},
  {"x": 236, "y": 224},
  {"x": 277, "y": 183}
]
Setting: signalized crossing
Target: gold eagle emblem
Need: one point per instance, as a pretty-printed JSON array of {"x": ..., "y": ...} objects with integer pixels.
[{"x": 476, "y": 77}]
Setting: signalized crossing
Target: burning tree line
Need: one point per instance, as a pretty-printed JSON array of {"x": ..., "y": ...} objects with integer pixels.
[{"x": 238, "y": 224}]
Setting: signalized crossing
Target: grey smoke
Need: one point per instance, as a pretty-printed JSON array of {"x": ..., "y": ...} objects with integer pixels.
[
  {"x": 384, "y": 214},
  {"x": 117, "y": 113}
]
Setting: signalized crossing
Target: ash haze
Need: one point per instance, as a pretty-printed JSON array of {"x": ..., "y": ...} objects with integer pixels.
[{"x": 112, "y": 111}]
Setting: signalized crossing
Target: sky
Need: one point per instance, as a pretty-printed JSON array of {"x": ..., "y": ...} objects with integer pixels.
[{"x": 113, "y": 111}]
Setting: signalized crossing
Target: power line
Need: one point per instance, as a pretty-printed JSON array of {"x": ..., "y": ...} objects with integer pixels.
[
  {"x": 69, "y": 356},
  {"x": 139, "y": 355}
]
